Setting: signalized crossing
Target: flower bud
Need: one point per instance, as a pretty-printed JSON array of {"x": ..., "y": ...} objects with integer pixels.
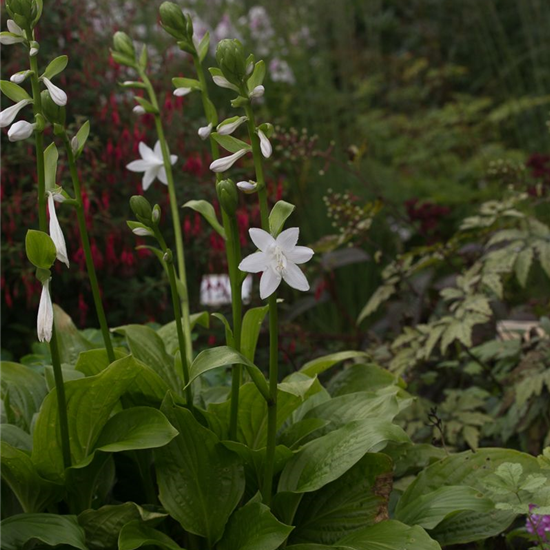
[
  {"x": 141, "y": 208},
  {"x": 53, "y": 112},
  {"x": 24, "y": 12},
  {"x": 173, "y": 21},
  {"x": 21, "y": 130},
  {"x": 156, "y": 214},
  {"x": 231, "y": 60},
  {"x": 228, "y": 196},
  {"x": 122, "y": 43}
]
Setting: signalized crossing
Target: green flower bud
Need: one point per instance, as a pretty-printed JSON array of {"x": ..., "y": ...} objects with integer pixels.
[
  {"x": 53, "y": 112},
  {"x": 40, "y": 122},
  {"x": 231, "y": 60},
  {"x": 141, "y": 208},
  {"x": 123, "y": 44},
  {"x": 23, "y": 12},
  {"x": 156, "y": 214},
  {"x": 173, "y": 21},
  {"x": 228, "y": 196}
]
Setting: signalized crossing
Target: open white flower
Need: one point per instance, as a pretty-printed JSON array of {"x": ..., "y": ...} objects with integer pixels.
[
  {"x": 205, "y": 131},
  {"x": 258, "y": 91},
  {"x": 225, "y": 163},
  {"x": 277, "y": 259},
  {"x": 182, "y": 91},
  {"x": 59, "y": 97},
  {"x": 21, "y": 130},
  {"x": 227, "y": 128},
  {"x": 44, "y": 322},
  {"x": 265, "y": 145},
  {"x": 56, "y": 233},
  {"x": 7, "y": 116},
  {"x": 152, "y": 164},
  {"x": 222, "y": 82}
]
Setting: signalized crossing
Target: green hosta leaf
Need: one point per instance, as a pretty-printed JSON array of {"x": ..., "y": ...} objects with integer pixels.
[
  {"x": 357, "y": 499},
  {"x": 278, "y": 216},
  {"x": 16, "y": 437},
  {"x": 208, "y": 213},
  {"x": 55, "y": 67},
  {"x": 90, "y": 402},
  {"x": 327, "y": 458},
  {"x": 82, "y": 138},
  {"x": 104, "y": 525},
  {"x": 254, "y": 527},
  {"x": 257, "y": 76},
  {"x": 19, "y": 472},
  {"x": 135, "y": 535},
  {"x": 13, "y": 91},
  {"x": 22, "y": 391},
  {"x": 200, "y": 481},
  {"x": 49, "y": 529},
  {"x": 252, "y": 323},
  {"x": 523, "y": 265},
  {"x": 294, "y": 435},
  {"x": 50, "y": 166},
  {"x": 430, "y": 510},
  {"x": 70, "y": 340},
  {"x": 361, "y": 377},
  {"x": 230, "y": 143},
  {"x": 321, "y": 364},
  {"x": 229, "y": 337},
  {"x": 169, "y": 333},
  {"x": 40, "y": 249}
]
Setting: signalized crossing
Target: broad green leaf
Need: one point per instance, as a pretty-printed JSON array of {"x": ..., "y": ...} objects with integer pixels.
[
  {"x": 55, "y": 67},
  {"x": 278, "y": 216},
  {"x": 22, "y": 391},
  {"x": 16, "y": 437},
  {"x": 68, "y": 374},
  {"x": 431, "y": 509},
  {"x": 19, "y": 472},
  {"x": 294, "y": 435},
  {"x": 186, "y": 83},
  {"x": 389, "y": 535},
  {"x": 13, "y": 91},
  {"x": 90, "y": 402},
  {"x": 362, "y": 377},
  {"x": 252, "y": 323},
  {"x": 51, "y": 156},
  {"x": 327, "y": 458},
  {"x": 467, "y": 469},
  {"x": 230, "y": 143},
  {"x": 94, "y": 361},
  {"x": 135, "y": 535},
  {"x": 221, "y": 356},
  {"x": 169, "y": 333},
  {"x": 206, "y": 210},
  {"x": 82, "y": 138},
  {"x": 254, "y": 527},
  {"x": 49, "y": 529},
  {"x": 204, "y": 44},
  {"x": 257, "y": 76},
  {"x": 200, "y": 481},
  {"x": 40, "y": 249},
  {"x": 321, "y": 364},
  {"x": 103, "y": 526},
  {"x": 229, "y": 337},
  {"x": 357, "y": 499}
]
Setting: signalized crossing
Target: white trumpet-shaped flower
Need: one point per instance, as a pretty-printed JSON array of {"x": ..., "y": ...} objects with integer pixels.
[
  {"x": 152, "y": 164},
  {"x": 56, "y": 232},
  {"x": 277, "y": 259},
  {"x": 59, "y": 97},
  {"x": 19, "y": 77},
  {"x": 205, "y": 131},
  {"x": 247, "y": 187},
  {"x": 229, "y": 127},
  {"x": 182, "y": 91},
  {"x": 258, "y": 91},
  {"x": 44, "y": 322},
  {"x": 21, "y": 130},
  {"x": 7, "y": 116},
  {"x": 265, "y": 145},
  {"x": 225, "y": 163},
  {"x": 222, "y": 82}
]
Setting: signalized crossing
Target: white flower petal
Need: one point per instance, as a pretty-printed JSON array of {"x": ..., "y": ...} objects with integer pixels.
[
  {"x": 288, "y": 238},
  {"x": 21, "y": 130},
  {"x": 247, "y": 186},
  {"x": 44, "y": 322},
  {"x": 254, "y": 263},
  {"x": 139, "y": 165},
  {"x": 230, "y": 127},
  {"x": 258, "y": 91},
  {"x": 158, "y": 150},
  {"x": 182, "y": 91},
  {"x": 205, "y": 131},
  {"x": 294, "y": 277},
  {"x": 162, "y": 175},
  {"x": 7, "y": 116},
  {"x": 7, "y": 39},
  {"x": 262, "y": 239},
  {"x": 265, "y": 145},
  {"x": 149, "y": 177},
  {"x": 14, "y": 28},
  {"x": 173, "y": 159},
  {"x": 33, "y": 52},
  {"x": 223, "y": 164},
  {"x": 147, "y": 154},
  {"x": 299, "y": 254},
  {"x": 269, "y": 283},
  {"x": 222, "y": 82},
  {"x": 59, "y": 97},
  {"x": 56, "y": 233}
]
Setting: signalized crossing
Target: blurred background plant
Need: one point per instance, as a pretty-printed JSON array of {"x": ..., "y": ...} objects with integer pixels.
[{"x": 388, "y": 116}]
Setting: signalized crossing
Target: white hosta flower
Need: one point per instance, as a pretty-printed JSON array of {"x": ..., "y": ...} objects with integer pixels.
[
  {"x": 182, "y": 91},
  {"x": 59, "y": 97},
  {"x": 225, "y": 163},
  {"x": 21, "y": 130},
  {"x": 139, "y": 110},
  {"x": 56, "y": 233},
  {"x": 222, "y": 82},
  {"x": 19, "y": 77},
  {"x": 247, "y": 187},
  {"x": 44, "y": 322},
  {"x": 258, "y": 91},
  {"x": 205, "y": 131},
  {"x": 229, "y": 127},
  {"x": 7, "y": 116},
  {"x": 277, "y": 259},
  {"x": 265, "y": 145},
  {"x": 152, "y": 164}
]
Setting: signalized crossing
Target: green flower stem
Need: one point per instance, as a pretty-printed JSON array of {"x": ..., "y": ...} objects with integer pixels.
[
  {"x": 184, "y": 296},
  {"x": 233, "y": 254},
  {"x": 43, "y": 225},
  {"x": 88, "y": 252},
  {"x": 273, "y": 317}
]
